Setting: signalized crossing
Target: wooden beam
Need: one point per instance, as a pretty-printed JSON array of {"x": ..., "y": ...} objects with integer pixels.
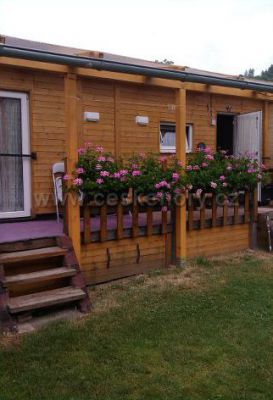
[
  {"x": 72, "y": 130},
  {"x": 34, "y": 65},
  {"x": 137, "y": 79},
  {"x": 266, "y": 132},
  {"x": 181, "y": 212}
]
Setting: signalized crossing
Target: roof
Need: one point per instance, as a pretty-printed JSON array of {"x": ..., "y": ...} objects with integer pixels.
[{"x": 73, "y": 51}]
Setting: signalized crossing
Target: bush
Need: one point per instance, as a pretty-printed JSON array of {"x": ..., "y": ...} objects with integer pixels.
[{"x": 160, "y": 177}]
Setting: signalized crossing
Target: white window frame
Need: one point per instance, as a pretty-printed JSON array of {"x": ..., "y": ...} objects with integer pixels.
[
  {"x": 189, "y": 144},
  {"x": 25, "y": 150},
  {"x": 172, "y": 149}
]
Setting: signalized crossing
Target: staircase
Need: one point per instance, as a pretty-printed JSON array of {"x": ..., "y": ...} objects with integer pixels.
[{"x": 39, "y": 276}]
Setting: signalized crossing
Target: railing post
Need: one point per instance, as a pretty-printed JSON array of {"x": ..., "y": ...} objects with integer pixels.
[
  {"x": 72, "y": 205},
  {"x": 181, "y": 212},
  {"x": 253, "y": 219}
]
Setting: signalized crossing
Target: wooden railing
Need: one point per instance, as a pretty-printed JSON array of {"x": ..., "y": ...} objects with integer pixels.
[
  {"x": 211, "y": 210},
  {"x": 103, "y": 223},
  {"x": 122, "y": 221}
]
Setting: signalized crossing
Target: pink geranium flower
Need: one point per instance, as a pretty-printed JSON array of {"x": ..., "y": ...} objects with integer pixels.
[
  {"x": 175, "y": 176},
  {"x": 104, "y": 173},
  {"x": 81, "y": 150},
  {"x": 222, "y": 178},
  {"x": 99, "y": 149},
  {"x": 101, "y": 159},
  {"x": 159, "y": 195},
  {"x": 163, "y": 159},
  {"x": 204, "y": 164},
  {"x": 77, "y": 182},
  {"x": 98, "y": 167},
  {"x": 213, "y": 185},
  {"x": 80, "y": 170},
  {"x": 136, "y": 173},
  {"x": 99, "y": 181}
]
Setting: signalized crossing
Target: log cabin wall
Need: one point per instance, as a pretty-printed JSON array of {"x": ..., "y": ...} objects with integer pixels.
[
  {"x": 270, "y": 162},
  {"x": 118, "y": 105}
]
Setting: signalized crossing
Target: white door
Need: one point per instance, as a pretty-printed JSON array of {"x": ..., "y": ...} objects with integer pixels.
[
  {"x": 15, "y": 161},
  {"x": 248, "y": 137}
]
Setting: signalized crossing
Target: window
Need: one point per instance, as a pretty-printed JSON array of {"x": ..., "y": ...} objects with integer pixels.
[{"x": 168, "y": 138}]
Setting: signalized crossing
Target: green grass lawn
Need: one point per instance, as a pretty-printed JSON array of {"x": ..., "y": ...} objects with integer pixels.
[{"x": 202, "y": 333}]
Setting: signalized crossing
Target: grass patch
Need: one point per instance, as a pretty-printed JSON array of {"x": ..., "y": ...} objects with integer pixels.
[{"x": 202, "y": 333}]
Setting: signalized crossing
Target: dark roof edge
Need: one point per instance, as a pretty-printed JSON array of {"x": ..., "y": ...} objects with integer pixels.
[{"x": 116, "y": 66}]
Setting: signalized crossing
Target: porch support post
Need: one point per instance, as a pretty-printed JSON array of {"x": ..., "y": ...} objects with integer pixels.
[
  {"x": 181, "y": 213},
  {"x": 72, "y": 136},
  {"x": 266, "y": 149}
]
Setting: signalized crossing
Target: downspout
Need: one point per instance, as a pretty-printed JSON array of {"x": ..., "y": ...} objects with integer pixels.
[{"x": 114, "y": 66}]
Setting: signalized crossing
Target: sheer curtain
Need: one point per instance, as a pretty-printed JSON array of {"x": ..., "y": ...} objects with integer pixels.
[{"x": 11, "y": 168}]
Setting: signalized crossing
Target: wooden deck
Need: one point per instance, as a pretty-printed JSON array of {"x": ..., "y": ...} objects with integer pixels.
[{"x": 14, "y": 231}]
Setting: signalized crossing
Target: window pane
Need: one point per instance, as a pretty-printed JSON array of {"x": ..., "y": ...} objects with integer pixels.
[{"x": 11, "y": 168}]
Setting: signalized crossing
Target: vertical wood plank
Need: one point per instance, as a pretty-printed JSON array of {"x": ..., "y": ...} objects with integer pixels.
[
  {"x": 119, "y": 220},
  {"x": 236, "y": 211},
  {"x": 72, "y": 206},
  {"x": 202, "y": 212},
  {"x": 247, "y": 212},
  {"x": 86, "y": 224},
  {"x": 214, "y": 210},
  {"x": 135, "y": 227},
  {"x": 181, "y": 212},
  {"x": 149, "y": 221},
  {"x": 164, "y": 224},
  {"x": 225, "y": 211},
  {"x": 103, "y": 223}
]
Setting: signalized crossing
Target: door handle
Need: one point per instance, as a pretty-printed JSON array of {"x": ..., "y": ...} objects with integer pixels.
[{"x": 32, "y": 155}]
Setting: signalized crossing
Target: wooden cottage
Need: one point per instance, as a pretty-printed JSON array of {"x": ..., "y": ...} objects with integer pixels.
[{"x": 52, "y": 100}]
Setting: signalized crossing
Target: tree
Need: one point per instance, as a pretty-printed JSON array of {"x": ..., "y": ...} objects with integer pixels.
[
  {"x": 165, "y": 62},
  {"x": 250, "y": 73},
  {"x": 266, "y": 75}
]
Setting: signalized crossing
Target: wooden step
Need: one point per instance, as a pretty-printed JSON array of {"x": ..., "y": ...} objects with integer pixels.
[
  {"x": 28, "y": 255},
  {"x": 45, "y": 299},
  {"x": 39, "y": 276}
]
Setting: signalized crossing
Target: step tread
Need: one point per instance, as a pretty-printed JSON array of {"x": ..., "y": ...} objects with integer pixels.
[
  {"x": 37, "y": 276},
  {"x": 45, "y": 299},
  {"x": 35, "y": 254}
]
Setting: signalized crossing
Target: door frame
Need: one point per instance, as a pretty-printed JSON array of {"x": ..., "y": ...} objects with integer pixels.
[{"x": 26, "y": 149}]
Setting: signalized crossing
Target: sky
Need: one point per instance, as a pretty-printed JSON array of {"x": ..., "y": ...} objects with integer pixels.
[{"x": 216, "y": 35}]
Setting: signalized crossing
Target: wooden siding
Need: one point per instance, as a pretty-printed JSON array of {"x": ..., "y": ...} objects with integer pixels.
[
  {"x": 217, "y": 241},
  {"x": 201, "y": 107},
  {"x": 102, "y": 262},
  {"x": 118, "y": 105},
  {"x": 270, "y": 109}
]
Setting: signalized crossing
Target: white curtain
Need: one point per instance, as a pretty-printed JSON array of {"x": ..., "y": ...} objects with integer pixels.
[{"x": 11, "y": 168}]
